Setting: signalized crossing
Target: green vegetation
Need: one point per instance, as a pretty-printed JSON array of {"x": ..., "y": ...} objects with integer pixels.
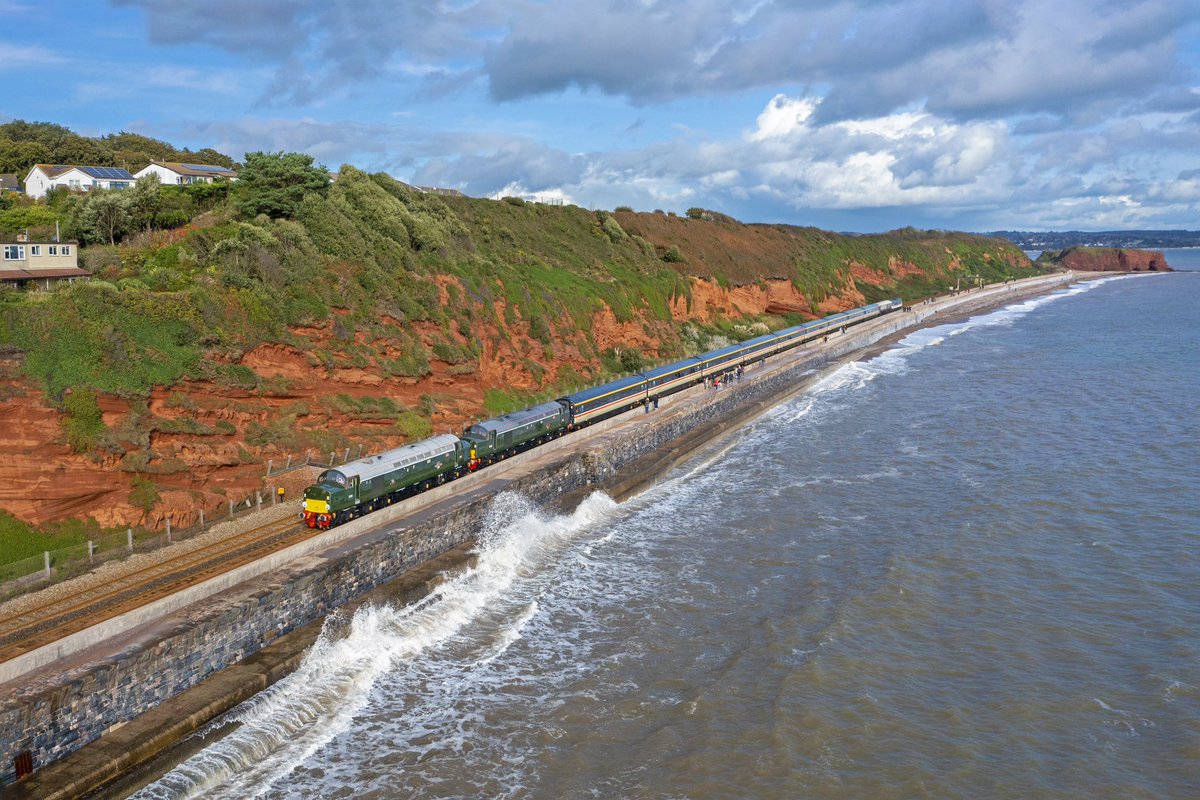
[{"x": 189, "y": 279}]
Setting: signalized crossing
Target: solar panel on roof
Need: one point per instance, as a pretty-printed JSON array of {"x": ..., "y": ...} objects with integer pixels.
[
  {"x": 206, "y": 168},
  {"x": 106, "y": 172}
]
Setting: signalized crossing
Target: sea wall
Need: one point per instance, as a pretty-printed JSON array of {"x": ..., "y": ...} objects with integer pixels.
[{"x": 57, "y": 709}]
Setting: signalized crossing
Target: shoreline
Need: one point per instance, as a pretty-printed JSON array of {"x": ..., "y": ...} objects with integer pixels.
[{"x": 137, "y": 752}]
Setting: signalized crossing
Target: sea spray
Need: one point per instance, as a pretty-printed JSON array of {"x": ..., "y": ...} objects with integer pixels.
[{"x": 282, "y": 727}]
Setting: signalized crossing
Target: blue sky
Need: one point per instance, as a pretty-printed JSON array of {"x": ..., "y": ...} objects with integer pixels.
[{"x": 860, "y": 115}]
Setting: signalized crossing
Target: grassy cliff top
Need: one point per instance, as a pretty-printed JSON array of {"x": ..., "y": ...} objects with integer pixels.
[{"x": 379, "y": 261}]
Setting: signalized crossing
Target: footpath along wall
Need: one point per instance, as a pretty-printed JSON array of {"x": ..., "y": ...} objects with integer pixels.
[{"x": 52, "y": 712}]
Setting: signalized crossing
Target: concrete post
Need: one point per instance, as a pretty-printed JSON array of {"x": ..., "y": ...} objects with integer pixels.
[
  {"x": 289, "y": 462},
  {"x": 231, "y": 509},
  {"x": 46, "y": 557},
  {"x": 258, "y": 501},
  {"x": 91, "y": 552},
  {"x": 202, "y": 519},
  {"x": 168, "y": 530},
  {"x": 269, "y": 463},
  {"x": 129, "y": 538},
  {"x": 331, "y": 455},
  {"x": 346, "y": 457}
]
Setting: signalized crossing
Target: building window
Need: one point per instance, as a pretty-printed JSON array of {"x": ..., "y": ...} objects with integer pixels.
[
  {"x": 74, "y": 183},
  {"x": 53, "y": 249},
  {"x": 14, "y": 252},
  {"x": 35, "y": 249},
  {"x": 66, "y": 249},
  {"x": 118, "y": 185}
]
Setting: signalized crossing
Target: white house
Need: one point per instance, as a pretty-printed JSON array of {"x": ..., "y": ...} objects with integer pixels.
[
  {"x": 170, "y": 172},
  {"x": 44, "y": 177}
]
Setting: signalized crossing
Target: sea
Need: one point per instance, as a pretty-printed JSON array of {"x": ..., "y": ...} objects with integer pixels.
[{"x": 965, "y": 567}]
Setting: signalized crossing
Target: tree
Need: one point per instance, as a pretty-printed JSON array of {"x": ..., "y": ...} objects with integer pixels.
[
  {"x": 275, "y": 184},
  {"x": 144, "y": 200},
  {"x": 105, "y": 215}
]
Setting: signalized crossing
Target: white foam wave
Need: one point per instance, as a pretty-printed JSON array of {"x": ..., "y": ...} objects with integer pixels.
[{"x": 282, "y": 727}]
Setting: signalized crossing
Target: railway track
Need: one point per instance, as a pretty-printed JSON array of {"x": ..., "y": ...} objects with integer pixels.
[{"x": 28, "y": 630}]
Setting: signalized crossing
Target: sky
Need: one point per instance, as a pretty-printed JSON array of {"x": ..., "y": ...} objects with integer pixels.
[{"x": 849, "y": 115}]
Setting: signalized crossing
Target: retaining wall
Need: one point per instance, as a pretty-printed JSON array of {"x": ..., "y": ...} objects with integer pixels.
[{"x": 62, "y": 707}]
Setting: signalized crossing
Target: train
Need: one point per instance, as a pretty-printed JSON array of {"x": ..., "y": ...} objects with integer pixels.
[{"x": 359, "y": 487}]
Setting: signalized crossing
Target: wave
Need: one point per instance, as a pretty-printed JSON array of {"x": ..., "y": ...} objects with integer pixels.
[{"x": 282, "y": 727}]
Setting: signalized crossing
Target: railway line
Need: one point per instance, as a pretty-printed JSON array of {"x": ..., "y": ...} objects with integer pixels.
[
  {"x": 25, "y": 630},
  {"x": 22, "y": 631}
]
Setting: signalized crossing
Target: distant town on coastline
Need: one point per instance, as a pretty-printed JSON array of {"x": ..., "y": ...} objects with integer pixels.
[{"x": 1057, "y": 240}]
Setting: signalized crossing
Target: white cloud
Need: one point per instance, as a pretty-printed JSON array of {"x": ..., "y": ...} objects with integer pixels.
[{"x": 14, "y": 57}]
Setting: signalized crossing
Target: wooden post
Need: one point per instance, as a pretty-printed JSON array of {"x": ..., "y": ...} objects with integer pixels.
[
  {"x": 289, "y": 462},
  {"x": 168, "y": 530},
  {"x": 270, "y": 461},
  {"x": 331, "y": 455}
]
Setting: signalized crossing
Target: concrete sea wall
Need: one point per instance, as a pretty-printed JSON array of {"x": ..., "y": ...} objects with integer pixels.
[{"x": 55, "y": 710}]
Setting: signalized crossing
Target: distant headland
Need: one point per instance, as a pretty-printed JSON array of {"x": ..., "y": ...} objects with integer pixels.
[{"x": 1059, "y": 240}]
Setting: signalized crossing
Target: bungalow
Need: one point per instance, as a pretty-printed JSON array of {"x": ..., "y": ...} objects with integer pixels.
[
  {"x": 39, "y": 265},
  {"x": 44, "y": 177},
  {"x": 170, "y": 172}
]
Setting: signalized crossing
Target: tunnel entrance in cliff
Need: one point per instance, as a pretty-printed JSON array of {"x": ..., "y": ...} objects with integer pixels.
[{"x": 1153, "y": 265}]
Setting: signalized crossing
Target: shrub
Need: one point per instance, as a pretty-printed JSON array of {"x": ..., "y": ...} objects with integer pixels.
[
  {"x": 673, "y": 256},
  {"x": 83, "y": 422},
  {"x": 144, "y": 494},
  {"x": 413, "y": 425}
]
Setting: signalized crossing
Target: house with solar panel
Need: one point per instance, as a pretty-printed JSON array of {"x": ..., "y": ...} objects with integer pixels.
[
  {"x": 44, "y": 177},
  {"x": 170, "y": 172}
]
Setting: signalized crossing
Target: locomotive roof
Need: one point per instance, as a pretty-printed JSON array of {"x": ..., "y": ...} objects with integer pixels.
[
  {"x": 518, "y": 418},
  {"x": 389, "y": 460},
  {"x": 601, "y": 391}
]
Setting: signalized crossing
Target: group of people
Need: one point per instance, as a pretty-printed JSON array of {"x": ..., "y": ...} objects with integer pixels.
[{"x": 724, "y": 377}]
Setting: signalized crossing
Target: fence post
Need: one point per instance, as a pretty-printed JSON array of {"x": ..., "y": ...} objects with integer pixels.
[
  {"x": 346, "y": 457},
  {"x": 289, "y": 462},
  {"x": 129, "y": 538},
  {"x": 46, "y": 556},
  {"x": 274, "y": 495},
  {"x": 307, "y": 456},
  {"x": 202, "y": 519},
  {"x": 331, "y": 455},
  {"x": 258, "y": 501},
  {"x": 231, "y": 509},
  {"x": 270, "y": 461},
  {"x": 91, "y": 552}
]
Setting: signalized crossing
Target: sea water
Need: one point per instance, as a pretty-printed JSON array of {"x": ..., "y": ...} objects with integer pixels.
[{"x": 967, "y": 567}]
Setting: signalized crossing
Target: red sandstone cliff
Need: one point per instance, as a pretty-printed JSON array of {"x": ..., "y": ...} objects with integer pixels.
[{"x": 1108, "y": 259}]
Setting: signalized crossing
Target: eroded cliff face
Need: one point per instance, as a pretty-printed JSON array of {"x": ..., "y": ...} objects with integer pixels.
[
  {"x": 1107, "y": 259},
  {"x": 204, "y": 445}
]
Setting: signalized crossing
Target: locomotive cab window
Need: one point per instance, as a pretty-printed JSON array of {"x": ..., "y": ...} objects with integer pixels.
[{"x": 333, "y": 478}]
